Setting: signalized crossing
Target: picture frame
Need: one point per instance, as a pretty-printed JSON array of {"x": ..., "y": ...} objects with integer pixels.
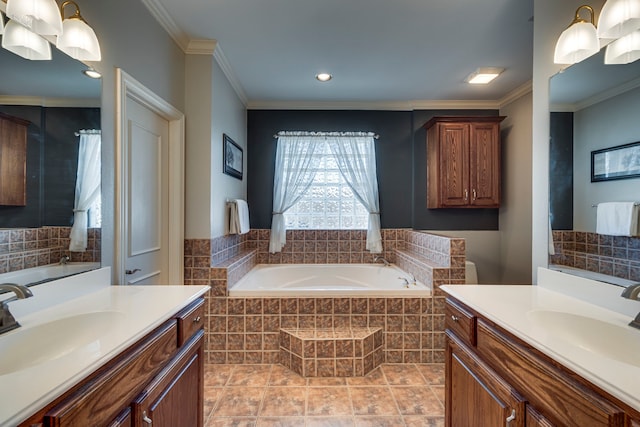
[
  {"x": 232, "y": 157},
  {"x": 620, "y": 162}
]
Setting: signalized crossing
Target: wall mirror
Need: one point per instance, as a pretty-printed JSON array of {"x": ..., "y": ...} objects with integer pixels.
[
  {"x": 593, "y": 106},
  {"x": 59, "y": 101}
]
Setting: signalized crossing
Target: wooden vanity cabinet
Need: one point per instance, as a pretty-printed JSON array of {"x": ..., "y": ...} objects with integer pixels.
[
  {"x": 13, "y": 161},
  {"x": 463, "y": 162},
  {"x": 160, "y": 376},
  {"x": 504, "y": 381}
]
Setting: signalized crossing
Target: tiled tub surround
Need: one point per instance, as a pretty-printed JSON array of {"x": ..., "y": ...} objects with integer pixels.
[
  {"x": 611, "y": 255},
  {"x": 22, "y": 248}
]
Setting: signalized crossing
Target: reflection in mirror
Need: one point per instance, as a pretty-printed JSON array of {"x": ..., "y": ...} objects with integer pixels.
[
  {"x": 58, "y": 101},
  {"x": 593, "y": 106}
]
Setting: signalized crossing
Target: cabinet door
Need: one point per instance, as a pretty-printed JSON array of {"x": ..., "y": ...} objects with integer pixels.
[
  {"x": 122, "y": 420},
  {"x": 175, "y": 396},
  {"x": 484, "y": 165},
  {"x": 454, "y": 168},
  {"x": 13, "y": 161},
  {"x": 536, "y": 419},
  {"x": 477, "y": 396}
]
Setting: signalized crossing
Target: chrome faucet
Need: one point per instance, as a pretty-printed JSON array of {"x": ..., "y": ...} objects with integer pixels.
[
  {"x": 384, "y": 261},
  {"x": 7, "y": 321},
  {"x": 406, "y": 282},
  {"x": 64, "y": 260},
  {"x": 633, "y": 292}
]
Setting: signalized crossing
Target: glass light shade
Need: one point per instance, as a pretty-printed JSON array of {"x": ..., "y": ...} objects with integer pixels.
[
  {"x": 618, "y": 18},
  {"x": 40, "y": 16},
  {"x": 79, "y": 41},
  {"x": 624, "y": 50},
  {"x": 576, "y": 43},
  {"x": 25, "y": 43},
  {"x": 1, "y": 23}
]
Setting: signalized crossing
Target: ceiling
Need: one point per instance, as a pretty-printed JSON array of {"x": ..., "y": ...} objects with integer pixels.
[{"x": 379, "y": 51}]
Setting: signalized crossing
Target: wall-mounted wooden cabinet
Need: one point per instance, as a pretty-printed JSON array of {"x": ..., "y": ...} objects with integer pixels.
[
  {"x": 13, "y": 161},
  {"x": 463, "y": 162}
]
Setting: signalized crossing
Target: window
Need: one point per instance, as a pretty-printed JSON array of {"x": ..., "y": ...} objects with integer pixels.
[{"x": 329, "y": 203}]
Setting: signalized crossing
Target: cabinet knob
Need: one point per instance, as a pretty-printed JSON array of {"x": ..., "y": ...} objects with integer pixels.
[
  {"x": 454, "y": 318},
  {"x": 510, "y": 418},
  {"x": 145, "y": 418},
  {"x": 197, "y": 319}
]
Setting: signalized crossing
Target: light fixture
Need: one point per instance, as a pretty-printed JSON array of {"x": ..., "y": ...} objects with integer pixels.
[
  {"x": 90, "y": 72},
  {"x": 624, "y": 50},
  {"x": 482, "y": 76},
  {"x": 25, "y": 43},
  {"x": 78, "y": 40},
  {"x": 618, "y": 18},
  {"x": 324, "y": 77},
  {"x": 1, "y": 23},
  {"x": 40, "y": 16},
  {"x": 579, "y": 41}
]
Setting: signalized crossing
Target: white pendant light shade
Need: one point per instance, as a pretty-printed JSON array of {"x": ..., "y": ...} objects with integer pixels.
[
  {"x": 1, "y": 23},
  {"x": 25, "y": 43},
  {"x": 624, "y": 50},
  {"x": 79, "y": 41},
  {"x": 40, "y": 16},
  {"x": 618, "y": 18},
  {"x": 576, "y": 43}
]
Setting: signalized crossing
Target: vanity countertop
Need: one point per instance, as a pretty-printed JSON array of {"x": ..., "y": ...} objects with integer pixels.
[
  {"x": 582, "y": 336},
  {"x": 109, "y": 320}
]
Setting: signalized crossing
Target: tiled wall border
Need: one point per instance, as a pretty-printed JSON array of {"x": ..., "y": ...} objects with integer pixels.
[
  {"x": 617, "y": 256},
  {"x": 22, "y": 248}
]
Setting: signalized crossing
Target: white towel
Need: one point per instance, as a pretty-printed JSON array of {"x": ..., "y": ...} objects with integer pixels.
[
  {"x": 238, "y": 217},
  {"x": 617, "y": 219}
]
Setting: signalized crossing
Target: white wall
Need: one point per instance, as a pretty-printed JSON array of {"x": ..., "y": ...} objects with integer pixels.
[
  {"x": 606, "y": 124},
  {"x": 551, "y": 17}
]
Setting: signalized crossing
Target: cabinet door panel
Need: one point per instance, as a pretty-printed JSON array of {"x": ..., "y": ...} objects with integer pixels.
[
  {"x": 454, "y": 155},
  {"x": 484, "y": 164},
  {"x": 536, "y": 419}
]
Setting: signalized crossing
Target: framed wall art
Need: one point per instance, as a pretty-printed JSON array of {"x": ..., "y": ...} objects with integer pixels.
[
  {"x": 620, "y": 162},
  {"x": 232, "y": 156}
]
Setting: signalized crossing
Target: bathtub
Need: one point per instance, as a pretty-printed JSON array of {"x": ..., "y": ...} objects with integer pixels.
[
  {"x": 326, "y": 280},
  {"x": 45, "y": 273},
  {"x": 591, "y": 275}
]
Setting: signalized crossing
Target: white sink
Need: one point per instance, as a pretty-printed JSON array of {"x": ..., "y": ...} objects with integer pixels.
[
  {"x": 25, "y": 347},
  {"x": 617, "y": 342}
]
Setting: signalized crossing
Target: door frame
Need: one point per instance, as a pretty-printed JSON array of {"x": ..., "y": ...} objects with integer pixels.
[{"x": 128, "y": 87}]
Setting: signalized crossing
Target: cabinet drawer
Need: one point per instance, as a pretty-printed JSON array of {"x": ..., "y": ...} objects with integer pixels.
[
  {"x": 560, "y": 397},
  {"x": 461, "y": 321},
  {"x": 190, "y": 320},
  {"x": 102, "y": 398}
]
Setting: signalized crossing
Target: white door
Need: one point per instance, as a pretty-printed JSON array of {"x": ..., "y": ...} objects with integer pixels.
[{"x": 146, "y": 180}]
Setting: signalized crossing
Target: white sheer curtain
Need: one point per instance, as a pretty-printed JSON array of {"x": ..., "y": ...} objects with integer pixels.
[
  {"x": 87, "y": 187},
  {"x": 356, "y": 158},
  {"x": 296, "y": 167}
]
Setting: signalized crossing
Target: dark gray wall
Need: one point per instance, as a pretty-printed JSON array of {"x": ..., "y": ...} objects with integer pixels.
[
  {"x": 400, "y": 160},
  {"x": 561, "y": 171},
  {"x": 52, "y": 161}
]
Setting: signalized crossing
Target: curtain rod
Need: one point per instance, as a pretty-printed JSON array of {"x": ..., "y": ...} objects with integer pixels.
[
  {"x": 88, "y": 132},
  {"x": 325, "y": 134}
]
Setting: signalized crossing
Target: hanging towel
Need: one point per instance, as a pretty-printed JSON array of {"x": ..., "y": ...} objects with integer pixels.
[
  {"x": 238, "y": 217},
  {"x": 617, "y": 219}
]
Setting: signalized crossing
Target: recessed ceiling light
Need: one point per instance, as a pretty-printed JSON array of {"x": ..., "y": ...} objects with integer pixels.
[
  {"x": 324, "y": 77},
  {"x": 482, "y": 76},
  {"x": 92, "y": 73}
]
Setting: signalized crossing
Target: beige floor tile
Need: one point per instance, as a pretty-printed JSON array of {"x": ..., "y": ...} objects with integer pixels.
[
  {"x": 417, "y": 401},
  {"x": 231, "y": 422},
  {"x": 283, "y": 377},
  {"x": 281, "y": 422},
  {"x": 333, "y": 401},
  {"x": 439, "y": 391},
  {"x": 375, "y": 377},
  {"x": 211, "y": 397},
  {"x": 250, "y": 375},
  {"x": 217, "y": 375},
  {"x": 284, "y": 401},
  {"x": 239, "y": 402},
  {"x": 405, "y": 374},
  {"x": 330, "y": 422},
  {"x": 326, "y": 381},
  {"x": 379, "y": 421},
  {"x": 432, "y": 373},
  {"x": 414, "y": 421},
  {"x": 374, "y": 400}
]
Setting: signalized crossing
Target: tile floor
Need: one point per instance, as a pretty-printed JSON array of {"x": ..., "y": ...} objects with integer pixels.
[{"x": 271, "y": 395}]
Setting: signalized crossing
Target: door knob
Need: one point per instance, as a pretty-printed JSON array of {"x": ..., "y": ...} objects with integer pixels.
[{"x": 135, "y": 270}]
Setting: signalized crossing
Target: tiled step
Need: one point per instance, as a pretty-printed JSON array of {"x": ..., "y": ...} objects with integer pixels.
[{"x": 334, "y": 352}]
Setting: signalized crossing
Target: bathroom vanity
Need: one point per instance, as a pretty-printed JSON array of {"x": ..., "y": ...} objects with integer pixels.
[
  {"x": 115, "y": 355},
  {"x": 530, "y": 356}
]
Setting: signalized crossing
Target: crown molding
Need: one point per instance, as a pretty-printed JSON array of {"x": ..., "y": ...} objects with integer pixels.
[
  {"x": 50, "y": 102},
  {"x": 222, "y": 61},
  {"x": 603, "y": 96},
  {"x": 201, "y": 47},
  {"x": 515, "y": 94},
  {"x": 166, "y": 21},
  {"x": 383, "y": 105}
]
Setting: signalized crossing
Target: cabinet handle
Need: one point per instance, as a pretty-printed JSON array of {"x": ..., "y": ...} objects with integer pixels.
[
  {"x": 134, "y": 271},
  {"x": 466, "y": 194},
  {"x": 454, "y": 318},
  {"x": 510, "y": 418},
  {"x": 145, "y": 418},
  {"x": 474, "y": 194},
  {"x": 197, "y": 319}
]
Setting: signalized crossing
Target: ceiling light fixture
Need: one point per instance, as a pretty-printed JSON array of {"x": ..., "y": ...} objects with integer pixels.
[
  {"x": 40, "y": 16},
  {"x": 618, "y": 18},
  {"x": 90, "y": 72},
  {"x": 25, "y": 43},
  {"x": 1, "y": 23},
  {"x": 78, "y": 40},
  {"x": 624, "y": 50},
  {"x": 482, "y": 76},
  {"x": 579, "y": 41},
  {"x": 323, "y": 77}
]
